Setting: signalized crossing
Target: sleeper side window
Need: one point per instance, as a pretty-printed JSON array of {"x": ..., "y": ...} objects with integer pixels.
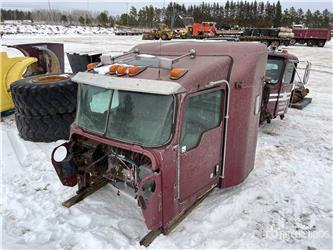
[{"x": 202, "y": 112}]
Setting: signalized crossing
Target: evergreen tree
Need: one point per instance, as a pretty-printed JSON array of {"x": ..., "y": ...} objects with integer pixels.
[
  {"x": 81, "y": 20},
  {"x": 308, "y": 18},
  {"x": 278, "y": 15},
  {"x": 88, "y": 20},
  {"x": 326, "y": 19},
  {"x": 63, "y": 18},
  {"x": 102, "y": 18}
]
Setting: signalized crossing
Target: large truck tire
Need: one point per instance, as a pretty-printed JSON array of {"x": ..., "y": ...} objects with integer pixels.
[
  {"x": 292, "y": 41},
  {"x": 310, "y": 43},
  {"x": 321, "y": 43},
  {"x": 44, "y": 95},
  {"x": 44, "y": 128}
]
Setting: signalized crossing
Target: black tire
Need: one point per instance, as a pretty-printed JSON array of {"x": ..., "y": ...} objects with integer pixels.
[
  {"x": 292, "y": 42},
  {"x": 321, "y": 43},
  {"x": 44, "y": 128},
  {"x": 309, "y": 43},
  {"x": 44, "y": 95}
]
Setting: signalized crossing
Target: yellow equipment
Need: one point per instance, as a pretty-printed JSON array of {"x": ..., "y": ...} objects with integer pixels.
[
  {"x": 11, "y": 70},
  {"x": 163, "y": 32}
]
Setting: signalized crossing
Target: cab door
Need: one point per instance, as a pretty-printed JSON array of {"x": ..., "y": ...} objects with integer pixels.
[
  {"x": 286, "y": 88},
  {"x": 272, "y": 88},
  {"x": 200, "y": 142}
]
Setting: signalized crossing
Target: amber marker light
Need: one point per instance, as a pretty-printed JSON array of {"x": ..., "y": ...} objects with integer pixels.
[
  {"x": 113, "y": 69},
  {"x": 135, "y": 70},
  {"x": 91, "y": 66},
  {"x": 121, "y": 70},
  {"x": 177, "y": 73}
]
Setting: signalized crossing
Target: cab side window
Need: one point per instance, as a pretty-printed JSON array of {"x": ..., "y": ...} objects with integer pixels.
[
  {"x": 202, "y": 112},
  {"x": 289, "y": 73}
]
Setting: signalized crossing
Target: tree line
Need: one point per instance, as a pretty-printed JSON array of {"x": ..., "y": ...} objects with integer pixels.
[{"x": 241, "y": 13}]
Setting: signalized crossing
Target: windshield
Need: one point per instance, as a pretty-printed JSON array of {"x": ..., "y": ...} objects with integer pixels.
[
  {"x": 133, "y": 117},
  {"x": 273, "y": 69}
]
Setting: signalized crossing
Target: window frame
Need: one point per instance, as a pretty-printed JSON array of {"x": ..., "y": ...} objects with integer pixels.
[
  {"x": 103, "y": 134},
  {"x": 184, "y": 105},
  {"x": 293, "y": 73},
  {"x": 281, "y": 69}
]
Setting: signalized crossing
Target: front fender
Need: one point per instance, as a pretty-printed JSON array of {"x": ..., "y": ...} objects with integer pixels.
[
  {"x": 150, "y": 200},
  {"x": 66, "y": 169}
]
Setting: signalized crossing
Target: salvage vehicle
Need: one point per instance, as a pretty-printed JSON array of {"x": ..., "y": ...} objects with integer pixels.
[
  {"x": 283, "y": 79},
  {"x": 168, "y": 123}
]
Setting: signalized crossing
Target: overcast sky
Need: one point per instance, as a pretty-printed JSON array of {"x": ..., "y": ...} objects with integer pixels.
[{"x": 118, "y": 7}]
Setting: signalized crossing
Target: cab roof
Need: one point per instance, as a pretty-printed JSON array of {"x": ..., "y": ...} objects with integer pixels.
[
  {"x": 284, "y": 55},
  {"x": 214, "y": 60}
]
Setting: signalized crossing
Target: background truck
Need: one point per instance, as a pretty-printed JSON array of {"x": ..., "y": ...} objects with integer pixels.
[
  {"x": 280, "y": 36},
  {"x": 166, "y": 123},
  {"x": 311, "y": 37},
  {"x": 283, "y": 79},
  {"x": 269, "y": 36}
]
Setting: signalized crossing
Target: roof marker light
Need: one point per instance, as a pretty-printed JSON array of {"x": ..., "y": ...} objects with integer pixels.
[
  {"x": 135, "y": 70},
  {"x": 121, "y": 70},
  {"x": 113, "y": 69},
  {"x": 91, "y": 66},
  {"x": 177, "y": 73}
]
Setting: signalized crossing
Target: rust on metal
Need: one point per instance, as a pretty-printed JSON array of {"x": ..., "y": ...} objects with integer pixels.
[{"x": 50, "y": 78}]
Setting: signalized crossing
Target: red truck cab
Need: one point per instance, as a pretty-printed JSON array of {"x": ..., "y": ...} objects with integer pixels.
[
  {"x": 281, "y": 77},
  {"x": 171, "y": 121}
]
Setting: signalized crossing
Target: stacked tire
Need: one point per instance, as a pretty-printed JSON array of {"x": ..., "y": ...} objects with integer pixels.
[{"x": 45, "y": 106}]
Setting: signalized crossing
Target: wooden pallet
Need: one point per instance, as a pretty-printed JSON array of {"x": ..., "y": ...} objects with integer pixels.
[{"x": 300, "y": 105}]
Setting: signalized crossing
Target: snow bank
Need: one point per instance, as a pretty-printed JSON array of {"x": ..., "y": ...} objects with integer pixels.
[
  {"x": 286, "y": 202},
  {"x": 46, "y": 29}
]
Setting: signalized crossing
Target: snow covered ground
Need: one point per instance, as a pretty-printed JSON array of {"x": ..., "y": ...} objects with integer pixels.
[{"x": 286, "y": 202}]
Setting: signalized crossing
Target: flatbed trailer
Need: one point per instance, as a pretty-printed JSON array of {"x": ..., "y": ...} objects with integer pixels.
[{"x": 267, "y": 40}]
